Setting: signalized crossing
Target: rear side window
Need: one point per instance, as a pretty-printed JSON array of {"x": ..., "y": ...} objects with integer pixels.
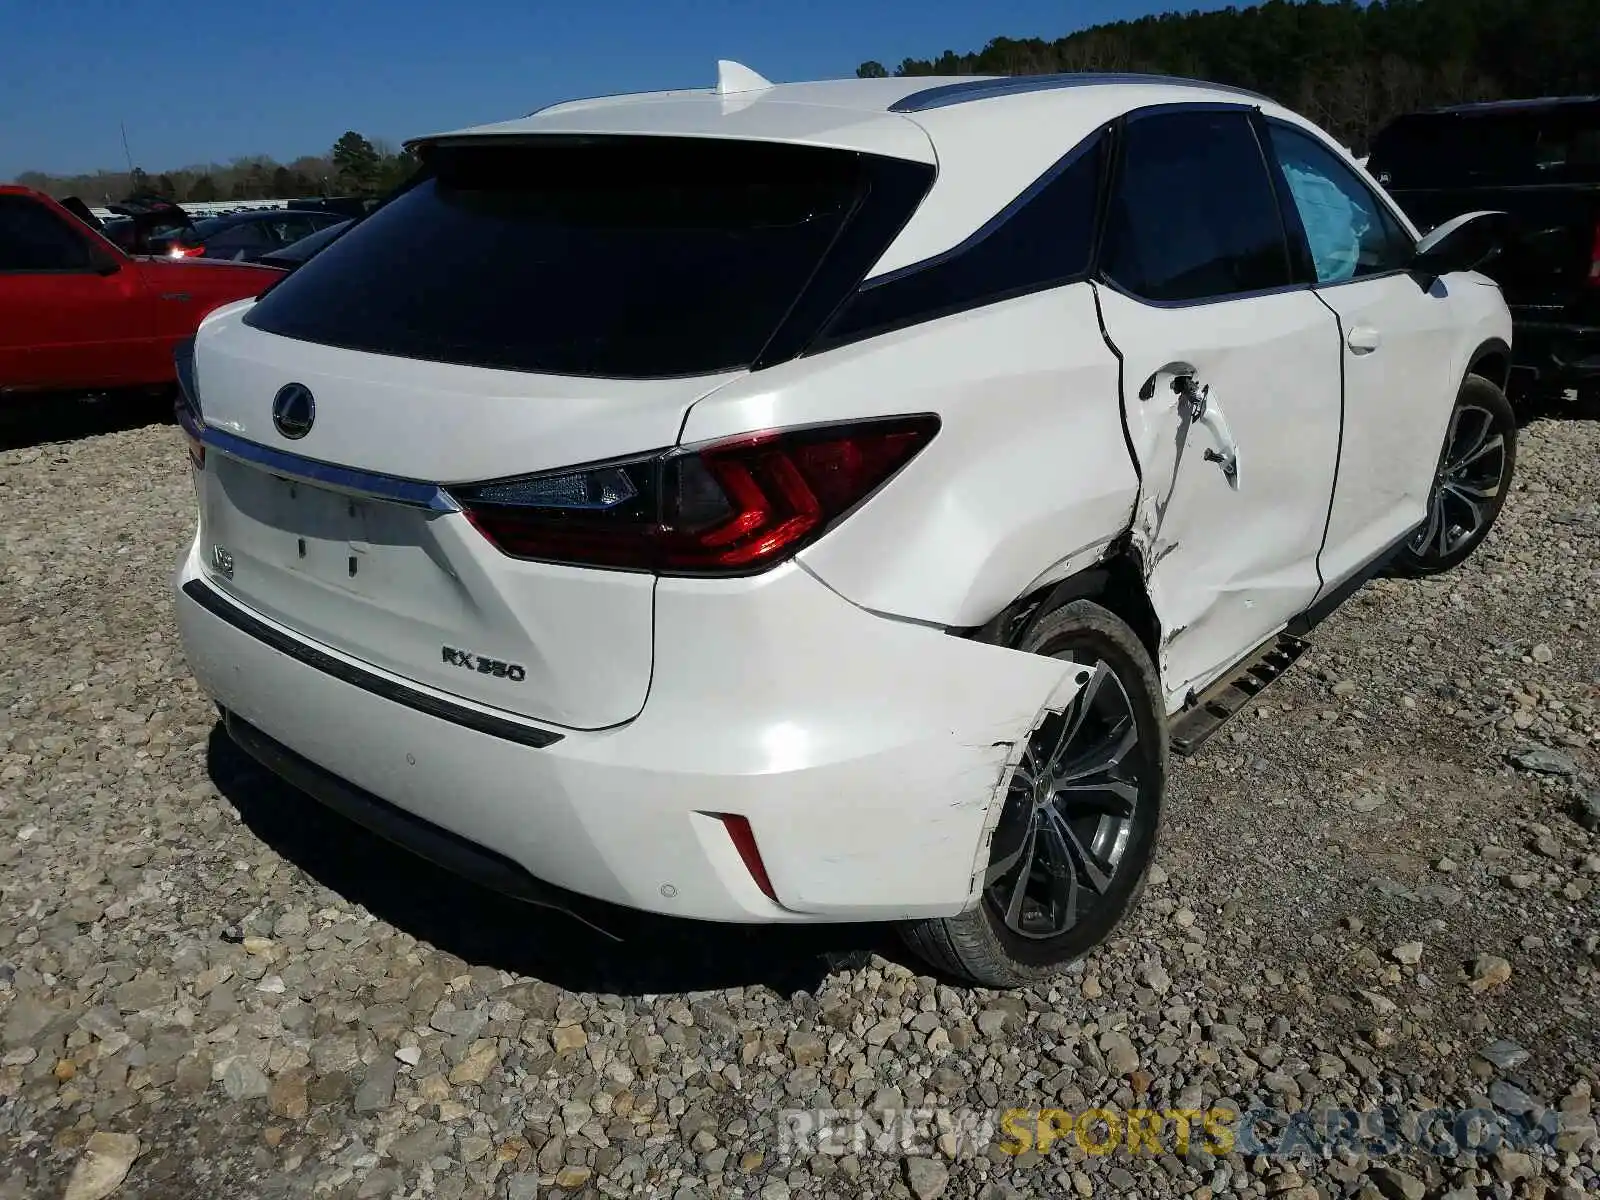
[
  {"x": 614, "y": 257},
  {"x": 1045, "y": 238},
  {"x": 34, "y": 239},
  {"x": 1193, "y": 215},
  {"x": 1488, "y": 147}
]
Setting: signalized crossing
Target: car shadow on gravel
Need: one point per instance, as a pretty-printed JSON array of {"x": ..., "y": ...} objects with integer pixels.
[
  {"x": 1536, "y": 406},
  {"x": 27, "y": 421},
  {"x": 655, "y": 954}
]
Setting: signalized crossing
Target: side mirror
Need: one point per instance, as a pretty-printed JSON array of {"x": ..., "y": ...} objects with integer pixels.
[
  {"x": 1463, "y": 243},
  {"x": 106, "y": 264}
]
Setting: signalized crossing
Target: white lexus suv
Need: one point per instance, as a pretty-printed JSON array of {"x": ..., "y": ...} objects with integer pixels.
[{"x": 827, "y": 501}]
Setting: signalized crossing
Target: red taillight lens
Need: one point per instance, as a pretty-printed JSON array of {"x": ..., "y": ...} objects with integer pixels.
[
  {"x": 187, "y": 407},
  {"x": 744, "y": 841},
  {"x": 179, "y": 250},
  {"x": 196, "y": 447},
  {"x": 1594, "y": 257},
  {"x": 732, "y": 507}
]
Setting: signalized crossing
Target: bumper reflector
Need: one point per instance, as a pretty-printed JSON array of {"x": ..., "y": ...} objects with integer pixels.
[{"x": 744, "y": 841}]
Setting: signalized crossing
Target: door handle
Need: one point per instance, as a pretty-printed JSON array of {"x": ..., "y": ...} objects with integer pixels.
[
  {"x": 1363, "y": 339},
  {"x": 1200, "y": 407}
]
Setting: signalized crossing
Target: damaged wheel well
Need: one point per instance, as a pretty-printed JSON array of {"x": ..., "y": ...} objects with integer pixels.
[{"x": 1116, "y": 582}]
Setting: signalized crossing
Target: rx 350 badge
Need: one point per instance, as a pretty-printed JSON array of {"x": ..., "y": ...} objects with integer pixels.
[{"x": 484, "y": 666}]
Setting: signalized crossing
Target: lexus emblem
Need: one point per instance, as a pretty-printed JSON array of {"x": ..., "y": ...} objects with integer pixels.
[{"x": 293, "y": 410}]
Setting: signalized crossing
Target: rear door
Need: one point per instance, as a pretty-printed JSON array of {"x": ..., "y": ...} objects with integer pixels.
[
  {"x": 1230, "y": 387},
  {"x": 522, "y": 310},
  {"x": 64, "y": 323},
  {"x": 1399, "y": 340}
]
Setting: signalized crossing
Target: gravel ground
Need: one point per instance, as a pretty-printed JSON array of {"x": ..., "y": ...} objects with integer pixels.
[{"x": 1379, "y": 887}]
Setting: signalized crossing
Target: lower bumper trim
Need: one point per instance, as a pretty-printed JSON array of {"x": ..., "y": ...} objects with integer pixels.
[
  {"x": 459, "y": 714},
  {"x": 428, "y": 841}
]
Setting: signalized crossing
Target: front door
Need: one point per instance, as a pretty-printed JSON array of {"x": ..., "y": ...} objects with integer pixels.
[
  {"x": 1231, "y": 388},
  {"x": 1398, "y": 342}
]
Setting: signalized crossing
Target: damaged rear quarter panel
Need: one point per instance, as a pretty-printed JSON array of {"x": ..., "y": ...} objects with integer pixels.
[
  {"x": 866, "y": 752},
  {"x": 1028, "y": 470}
]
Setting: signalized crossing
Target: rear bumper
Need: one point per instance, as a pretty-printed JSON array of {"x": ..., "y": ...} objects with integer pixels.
[
  {"x": 866, "y": 754},
  {"x": 1556, "y": 354}
]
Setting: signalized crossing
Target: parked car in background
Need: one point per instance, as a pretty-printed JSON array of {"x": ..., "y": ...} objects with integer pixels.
[
  {"x": 245, "y": 236},
  {"x": 828, "y": 501},
  {"x": 135, "y": 222},
  {"x": 344, "y": 206},
  {"x": 1539, "y": 161},
  {"x": 78, "y": 313},
  {"x": 296, "y": 253}
]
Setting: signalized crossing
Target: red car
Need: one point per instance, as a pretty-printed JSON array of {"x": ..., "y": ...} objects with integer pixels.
[{"x": 77, "y": 313}]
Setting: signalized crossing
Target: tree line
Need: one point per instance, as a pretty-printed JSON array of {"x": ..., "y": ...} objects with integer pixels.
[
  {"x": 354, "y": 165},
  {"x": 1348, "y": 66}
]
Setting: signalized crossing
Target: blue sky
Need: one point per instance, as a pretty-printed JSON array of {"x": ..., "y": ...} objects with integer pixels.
[{"x": 211, "y": 81}]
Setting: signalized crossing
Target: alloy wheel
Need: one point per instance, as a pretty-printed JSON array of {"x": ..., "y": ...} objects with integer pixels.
[
  {"x": 1470, "y": 476},
  {"x": 1069, "y": 810}
]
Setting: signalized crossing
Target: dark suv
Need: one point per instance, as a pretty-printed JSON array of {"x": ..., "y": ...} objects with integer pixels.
[{"x": 1539, "y": 161}]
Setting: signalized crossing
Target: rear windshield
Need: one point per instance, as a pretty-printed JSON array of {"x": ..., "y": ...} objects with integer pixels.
[
  {"x": 617, "y": 257},
  {"x": 1488, "y": 148}
]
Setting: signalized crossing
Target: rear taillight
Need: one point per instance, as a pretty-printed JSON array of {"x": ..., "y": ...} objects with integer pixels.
[
  {"x": 1594, "y": 257},
  {"x": 181, "y": 251},
  {"x": 187, "y": 407},
  {"x": 729, "y": 507}
]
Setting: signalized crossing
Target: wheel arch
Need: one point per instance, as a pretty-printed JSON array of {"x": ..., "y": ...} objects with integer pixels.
[
  {"x": 1492, "y": 360},
  {"x": 1116, "y": 582}
]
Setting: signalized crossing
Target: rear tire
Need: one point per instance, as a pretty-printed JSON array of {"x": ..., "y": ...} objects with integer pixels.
[
  {"x": 1077, "y": 830},
  {"x": 1476, "y": 465}
]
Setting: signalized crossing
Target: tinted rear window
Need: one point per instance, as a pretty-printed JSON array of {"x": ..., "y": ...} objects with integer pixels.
[
  {"x": 618, "y": 257},
  {"x": 1486, "y": 148}
]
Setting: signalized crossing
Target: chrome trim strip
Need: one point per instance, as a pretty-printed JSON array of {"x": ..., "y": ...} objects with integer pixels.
[
  {"x": 428, "y": 496},
  {"x": 219, "y": 606},
  {"x": 1013, "y": 85}
]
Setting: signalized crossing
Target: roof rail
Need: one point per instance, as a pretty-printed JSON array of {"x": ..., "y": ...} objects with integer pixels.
[{"x": 984, "y": 87}]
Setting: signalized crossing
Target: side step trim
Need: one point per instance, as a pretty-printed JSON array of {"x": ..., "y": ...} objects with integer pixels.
[
  {"x": 368, "y": 681},
  {"x": 1333, "y": 598},
  {"x": 1197, "y": 724}
]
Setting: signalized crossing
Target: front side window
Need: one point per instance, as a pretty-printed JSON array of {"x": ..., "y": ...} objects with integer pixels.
[
  {"x": 33, "y": 239},
  {"x": 1349, "y": 233},
  {"x": 1193, "y": 215}
]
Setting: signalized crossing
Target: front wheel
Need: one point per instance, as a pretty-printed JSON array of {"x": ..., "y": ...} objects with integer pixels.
[
  {"x": 1474, "y": 474},
  {"x": 1077, "y": 829}
]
